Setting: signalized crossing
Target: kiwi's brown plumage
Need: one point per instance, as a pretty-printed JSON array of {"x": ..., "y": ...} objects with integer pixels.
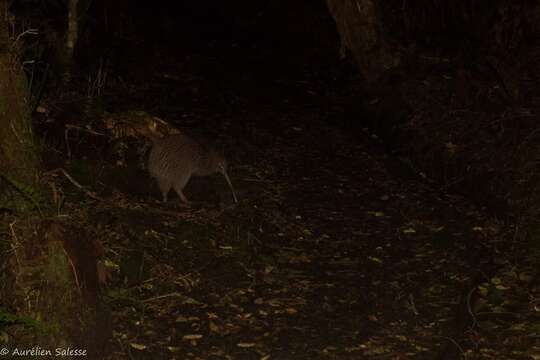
[{"x": 176, "y": 158}]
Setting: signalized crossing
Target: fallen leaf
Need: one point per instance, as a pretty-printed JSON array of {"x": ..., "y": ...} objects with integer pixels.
[
  {"x": 181, "y": 319},
  {"x": 245, "y": 345},
  {"x": 372, "y": 318},
  {"x": 291, "y": 311},
  {"x": 192, "y": 337},
  {"x": 213, "y": 327},
  {"x": 137, "y": 346}
]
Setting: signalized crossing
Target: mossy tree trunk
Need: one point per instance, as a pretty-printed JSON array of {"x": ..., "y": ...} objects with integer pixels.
[
  {"x": 49, "y": 290},
  {"x": 19, "y": 160}
]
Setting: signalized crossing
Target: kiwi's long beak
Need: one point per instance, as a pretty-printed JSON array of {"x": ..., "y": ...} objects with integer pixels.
[{"x": 230, "y": 185}]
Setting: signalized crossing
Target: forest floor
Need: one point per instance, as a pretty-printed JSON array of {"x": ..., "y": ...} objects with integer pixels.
[{"x": 334, "y": 251}]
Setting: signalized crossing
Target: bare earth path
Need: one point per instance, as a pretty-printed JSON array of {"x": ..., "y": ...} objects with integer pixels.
[{"x": 328, "y": 255}]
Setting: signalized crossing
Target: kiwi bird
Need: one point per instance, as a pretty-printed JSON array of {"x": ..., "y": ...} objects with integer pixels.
[{"x": 174, "y": 159}]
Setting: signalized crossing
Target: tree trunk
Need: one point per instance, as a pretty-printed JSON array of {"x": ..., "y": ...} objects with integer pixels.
[
  {"x": 359, "y": 26},
  {"x": 19, "y": 161},
  {"x": 72, "y": 35},
  {"x": 49, "y": 289}
]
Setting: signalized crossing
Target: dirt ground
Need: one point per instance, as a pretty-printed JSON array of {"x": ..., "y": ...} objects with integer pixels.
[{"x": 334, "y": 251}]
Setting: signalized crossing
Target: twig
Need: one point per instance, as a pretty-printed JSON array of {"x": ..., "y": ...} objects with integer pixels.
[
  {"x": 74, "y": 272},
  {"x": 174, "y": 294},
  {"x": 412, "y": 305},
  {"x": 258, "y": 180},
  {"x": 26, "y": 32},
  {"x": 453, "y": 342},
  {"x": 67, "y": 142},
  {"x": 15, "y": 244},
  {"x": 77, "y": 184},
  {"x": 498, "y": 313},
  {"x": 93, "y": 132},
  {"x": 469, "y": 308},
  {"x": 69, "y": 127}
]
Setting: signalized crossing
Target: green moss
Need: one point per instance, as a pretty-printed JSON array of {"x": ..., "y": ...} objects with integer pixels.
[{"x": 19, "y": 157}]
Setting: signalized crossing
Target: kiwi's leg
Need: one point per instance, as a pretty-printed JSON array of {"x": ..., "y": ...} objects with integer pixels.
[
  {"x": 183, "y": 197},
  {"x": 179, "y": 186},
  {"x": 164, "y": 186}
]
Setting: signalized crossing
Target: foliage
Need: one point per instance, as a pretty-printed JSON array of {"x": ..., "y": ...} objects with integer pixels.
[
  {"x": 32, "y": 195},
  {"x": 8, "y": 318}
]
